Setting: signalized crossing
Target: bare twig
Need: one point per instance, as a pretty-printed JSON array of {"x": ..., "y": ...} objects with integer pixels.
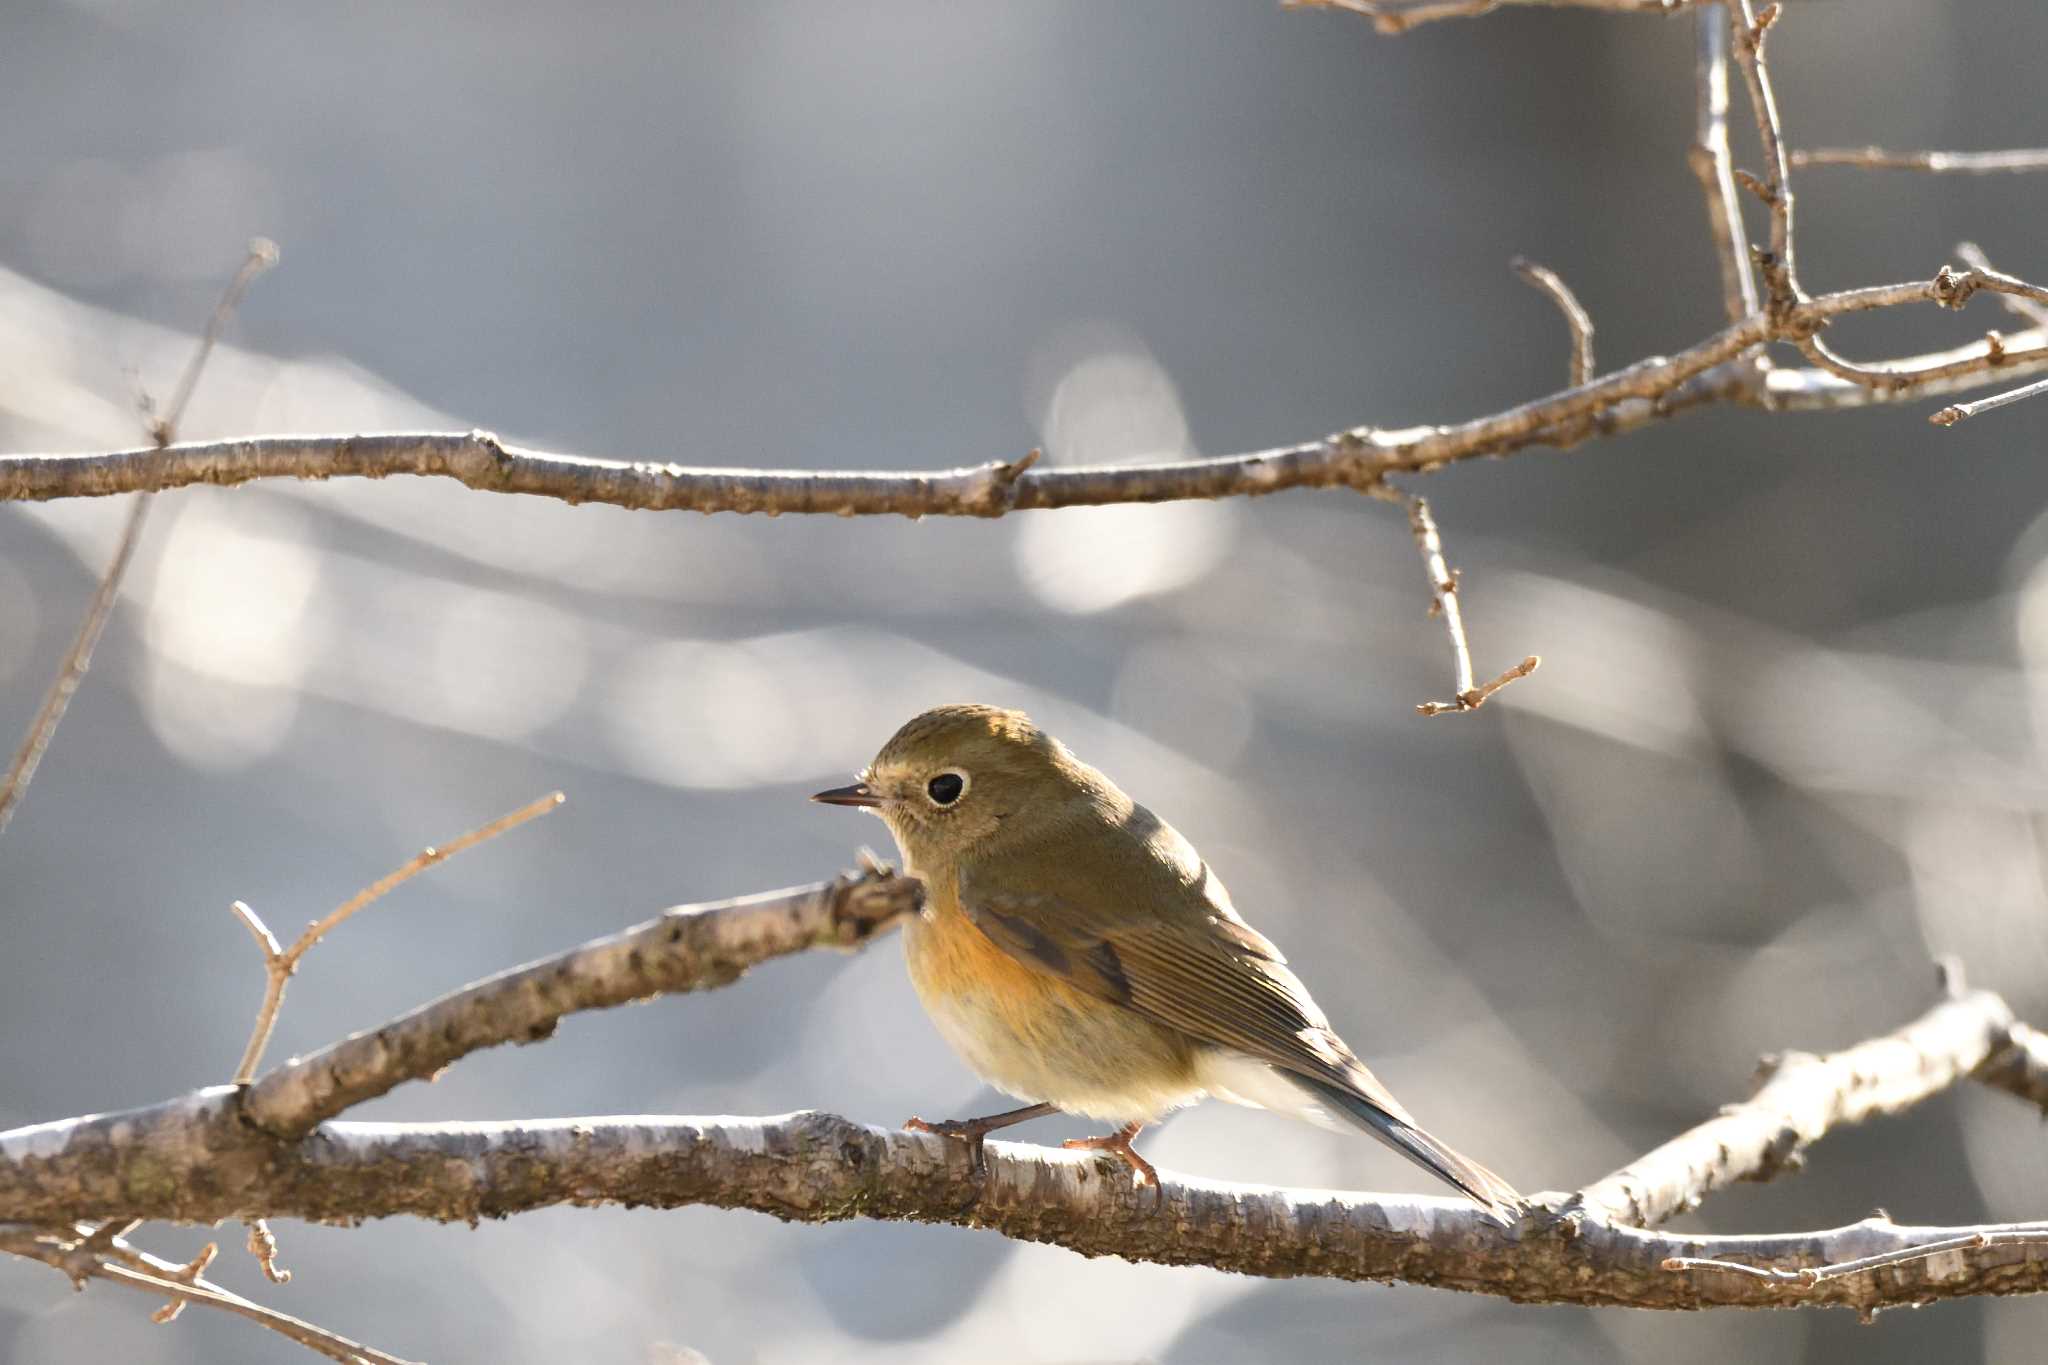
[
  {"x": 1713, "y": 165},
  {"x": 1575, "y": 316},
  {"x": 163, "y": 430},
  {"x": 2034, "y": 313},
  {"x": 2015, "y": 160},
  {"x": 1747, "y": 29},
  {"x": 1716, "y": 369},
  {"x": 71, "y": 672},
  {"x": 262, "y": 255},
  {"x": 280, "y": 963},
  {"x": 121, "y": 1264},
  {"x": 1956, "y": 412},
  {"x": 1443, "y": 587}
]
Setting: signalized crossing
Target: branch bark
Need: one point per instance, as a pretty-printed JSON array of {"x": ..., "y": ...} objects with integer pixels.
[
  {"x": 1710, "y": 371},
  {"x": 274, "y": 1149}
]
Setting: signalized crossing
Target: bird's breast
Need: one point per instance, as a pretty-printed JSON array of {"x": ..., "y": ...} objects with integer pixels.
[{"x": 1030, "y": 1034}]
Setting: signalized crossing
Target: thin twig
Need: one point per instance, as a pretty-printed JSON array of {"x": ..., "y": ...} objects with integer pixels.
[
  {"x": 71, "y": 672},
  {"x": 1957, "y": 412},
  {"x": 163, "y": 430},
  {"x": 279, "y": 964},
  {"x": 1748, "y": 27},
  {"x": 262, "y": 254},
  {"x": 1575, "y": 315},
  {"x": 1714, "y": 370},
  {"x": 1713, "y": 165},
  {"x": 2034, "y": 312},
  {"x": 121, "y": 1264},
  {"x": 1443, "y": 587},
  {"x": 2012, "y": 161}
]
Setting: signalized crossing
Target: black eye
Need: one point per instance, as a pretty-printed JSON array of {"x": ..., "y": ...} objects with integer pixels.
[{"x": 946, "y": 788}]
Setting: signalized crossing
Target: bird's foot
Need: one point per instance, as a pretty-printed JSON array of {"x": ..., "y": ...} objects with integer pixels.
[
  {"x": 972, "y": 1132},
  {"x": 1119, "y": 1142}
]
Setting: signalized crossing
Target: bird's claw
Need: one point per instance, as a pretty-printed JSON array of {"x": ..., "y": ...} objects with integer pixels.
[
  {"x": 1142, "y": 1171},
  {"x": 965, "y": 1131}
]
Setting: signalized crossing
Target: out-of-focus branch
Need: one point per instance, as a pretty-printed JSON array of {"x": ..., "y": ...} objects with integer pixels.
[
  {"x": 1398, "y": 16},
  {"x": 77, "y": 659},
  {"x": 1804, "y": 1097},
  {"x": 2019, "y": 1065},
  {"x": 2028, "y": 310},
  {"x": 2012, "y": 161},
  {"x": 1713, "y": 165},
  {"x": 86, "y": 1256}
]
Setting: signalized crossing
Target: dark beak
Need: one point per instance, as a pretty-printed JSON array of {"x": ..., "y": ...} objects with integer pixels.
[{"x": 856, "y": 795}]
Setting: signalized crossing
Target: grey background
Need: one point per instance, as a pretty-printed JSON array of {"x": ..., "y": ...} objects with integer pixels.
[{"x": 1782, "y": 751}]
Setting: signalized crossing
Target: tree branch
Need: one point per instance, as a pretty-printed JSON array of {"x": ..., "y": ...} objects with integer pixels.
[
  {"x": 1713, "y": 165},
  {"x": 1803, "y": 1098},
  {"x": 817, "y": 1168},
  {"x": 1467, "y": 694},
  {"x": 1647, "y": 391},
  {"x": 273, "y": 1150},
  {"x": 687, "y": 949},
  {"x": 1575, "y": 315},
  {"x": 2016, "y": 160}
]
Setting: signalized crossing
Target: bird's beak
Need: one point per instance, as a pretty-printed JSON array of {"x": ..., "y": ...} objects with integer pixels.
[{"x": 859, "y": 794}]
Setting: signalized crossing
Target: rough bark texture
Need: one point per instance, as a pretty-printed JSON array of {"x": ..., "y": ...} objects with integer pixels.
[
  {"x": 272, "y": 1149},
  {"x": 816, "y": 1168},
  {"x": 690, "y": 948}
]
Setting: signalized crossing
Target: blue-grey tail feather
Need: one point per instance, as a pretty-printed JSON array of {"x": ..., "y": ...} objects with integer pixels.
[{"x": 1462, "y": 1173}]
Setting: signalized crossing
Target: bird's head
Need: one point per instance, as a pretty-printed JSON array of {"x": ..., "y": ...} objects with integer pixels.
[{"x": 956, "y": 776}]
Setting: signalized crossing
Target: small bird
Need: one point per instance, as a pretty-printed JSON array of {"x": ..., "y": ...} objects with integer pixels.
[{"x": 1078, "y": 954}]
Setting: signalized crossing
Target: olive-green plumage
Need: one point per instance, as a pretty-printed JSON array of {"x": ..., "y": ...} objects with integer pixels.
[{"x": 1076, "y": 951}]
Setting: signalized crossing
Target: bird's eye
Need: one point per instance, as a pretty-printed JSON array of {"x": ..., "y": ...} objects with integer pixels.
[{"x": 947, "y": 787}]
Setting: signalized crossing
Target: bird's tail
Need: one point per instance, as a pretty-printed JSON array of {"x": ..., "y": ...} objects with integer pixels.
[{"x": 1481, "y": 1185}]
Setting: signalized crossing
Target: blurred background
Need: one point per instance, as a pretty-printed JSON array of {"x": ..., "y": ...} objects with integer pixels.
[{"x": 1785, "y": 746}]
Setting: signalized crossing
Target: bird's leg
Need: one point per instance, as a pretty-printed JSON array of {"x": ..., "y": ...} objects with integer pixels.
[
  {"x": 1120, "y": 1143},
  {"x": 973, "y": 1132}
]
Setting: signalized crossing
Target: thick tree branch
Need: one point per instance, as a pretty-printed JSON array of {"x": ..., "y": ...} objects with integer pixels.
[
  {"x": 816, "y": 1168},
  {"x": 265, "y": 1151}
]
